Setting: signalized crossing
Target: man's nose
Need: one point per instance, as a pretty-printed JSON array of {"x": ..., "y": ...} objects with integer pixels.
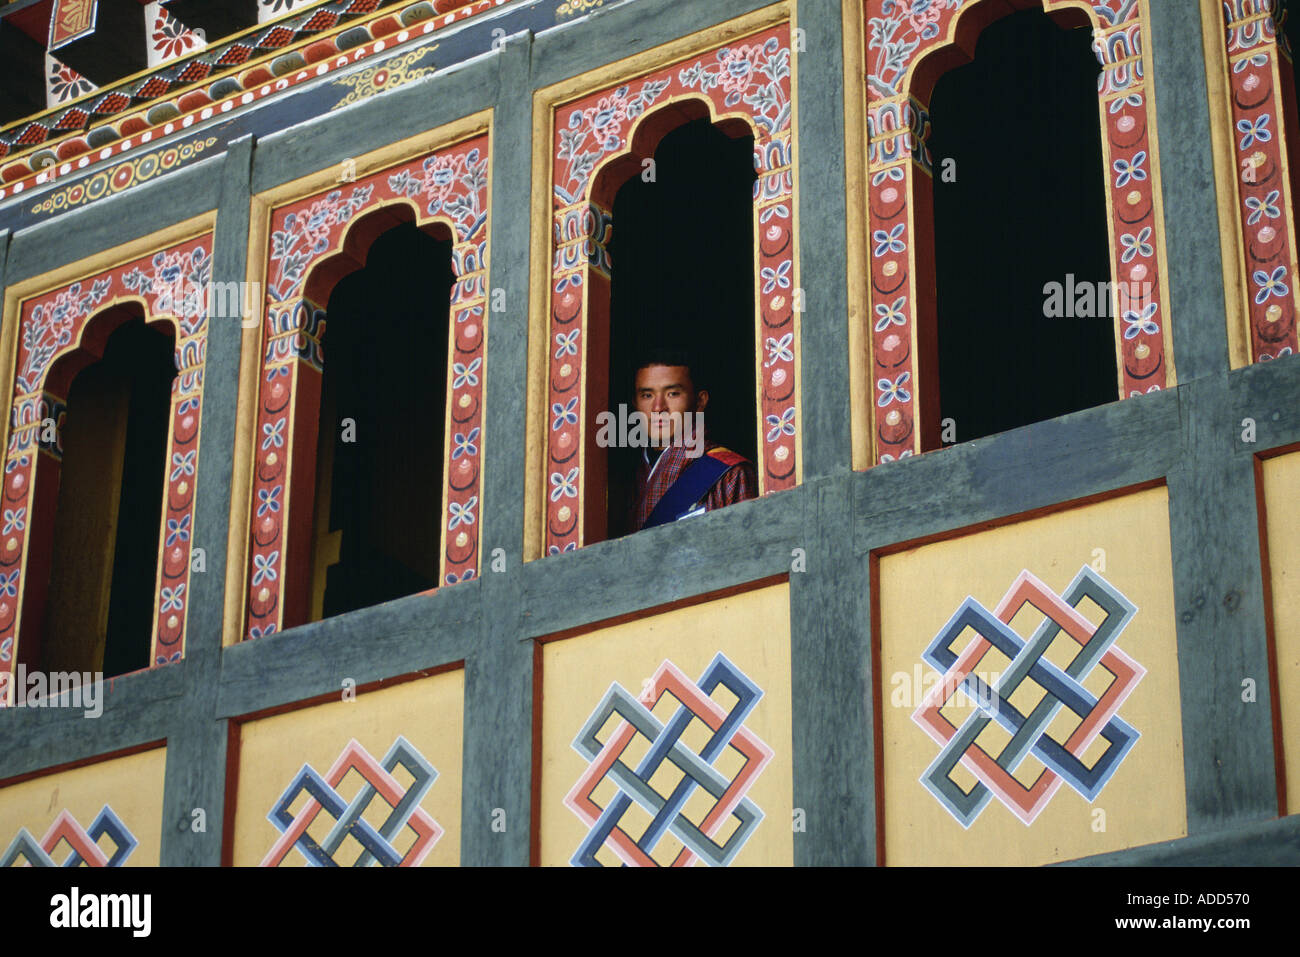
[{"x": 658, "y": 404}]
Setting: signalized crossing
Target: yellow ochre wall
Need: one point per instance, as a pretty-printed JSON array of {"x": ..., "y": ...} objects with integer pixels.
[
  {"x": 1125, "y": 540},
  {"x": 428, "y": 712},
  {"x": 132, "y": 786},
  {"x": 1281, "y": 481},
  {"x": 752, "y": 630}
]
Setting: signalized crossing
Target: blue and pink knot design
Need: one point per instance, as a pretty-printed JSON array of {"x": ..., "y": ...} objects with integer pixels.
[
  {"x": 1061, "y": 689},
  {"x": 379, "y": 845},
  {"x": 83, "y": 843},
  {"x": 668, "y": 757}
]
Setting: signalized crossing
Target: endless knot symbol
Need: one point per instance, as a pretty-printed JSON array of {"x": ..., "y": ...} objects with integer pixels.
[
  {"x": 349, "y": 817},
  {"x": 665, "y": 745},
  {"x": 84, "y": 843},
  {"x": 1061, "y": 689}
]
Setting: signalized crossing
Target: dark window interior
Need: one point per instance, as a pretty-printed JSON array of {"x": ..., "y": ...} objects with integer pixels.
[
  {"x": 385, "y": 369},
  {"x": 105, "y": 544},
  {"x": 1027, "y": 208},
  {"x": 1291, "y": 29},
  {"x": 682, "y": 258},
  {"x": 1291, "y": 33}
]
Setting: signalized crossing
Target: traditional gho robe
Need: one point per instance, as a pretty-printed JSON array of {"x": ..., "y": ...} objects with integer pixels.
[{"x": 690, "y": 486}]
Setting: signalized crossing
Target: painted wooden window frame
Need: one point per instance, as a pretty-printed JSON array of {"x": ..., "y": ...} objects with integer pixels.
[
  {"x": 905, "y": 53},
  {"x": 591, "y": 134},
  {"x": 1253, "y": 112},
  {"x": 445, "y": 179},
  {"x": 54, "y": 312}
]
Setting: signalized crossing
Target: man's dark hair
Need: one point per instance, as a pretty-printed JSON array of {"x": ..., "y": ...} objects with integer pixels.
[{"x": 673, "y": 356}]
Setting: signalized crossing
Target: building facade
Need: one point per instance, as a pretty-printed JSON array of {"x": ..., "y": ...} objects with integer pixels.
[{"x": 384, "y": 616}]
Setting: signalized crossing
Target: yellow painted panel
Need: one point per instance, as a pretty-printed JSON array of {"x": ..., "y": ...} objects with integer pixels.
[
  {"x": 129, "y": 788},
  {"x": 1125, "y": 541},
  {"x": 751, "y": 633},
  {"x": 427, "y": 713},
  {"x": 1282, "y": 504}
]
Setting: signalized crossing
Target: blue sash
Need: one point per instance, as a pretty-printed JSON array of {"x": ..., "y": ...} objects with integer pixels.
[{"x": 691, "y": 486}]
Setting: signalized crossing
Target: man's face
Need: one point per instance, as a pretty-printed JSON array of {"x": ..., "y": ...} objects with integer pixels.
[{"x": 661, "y": 390}]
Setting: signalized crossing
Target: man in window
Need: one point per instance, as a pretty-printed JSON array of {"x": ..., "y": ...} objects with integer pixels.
[{"x": 682, "y": 473}]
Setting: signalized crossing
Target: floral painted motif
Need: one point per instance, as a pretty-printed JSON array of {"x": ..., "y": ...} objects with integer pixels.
[
  {"x": 601, "y": 127},
  {"x": 450, "y": 186},
  {"x": 170, "y": 284},
  {"x": 63, "y": 83},
  {"x": 895, "y": 34},
  {"x": 751, "y": 79},
  {"x": 454, "y": 186},
  {"x": 306, "y": 234},
  {"x": 168, "y": 37}
]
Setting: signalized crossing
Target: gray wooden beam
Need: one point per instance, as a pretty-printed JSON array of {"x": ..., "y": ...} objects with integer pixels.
[
  {"x": 1195, "y": 313},
  {"x": 1218, "y": 596}
]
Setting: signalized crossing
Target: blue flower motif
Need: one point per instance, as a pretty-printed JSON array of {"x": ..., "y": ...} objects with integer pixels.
[
  {"x": 1271, "y": 285},
  {"x": 183, "y": 464},
  {"x": 893, "y": 391},
  {"x": 465, "y": 374},
  {"x": 779, "y": 349},
  {"x": 9, "y": 583},
  {"x": 776, "y": 277},
  {"x": 172, "y": 599},
  {"x": 1130, "y": 171},
  {"x": 891, "y": 314},
  {"x": 6, "y": 648},
  {"x": 273, "y": 433},
  {"x": 187, "y": 404},
  {"x": 462, "y": 513},
  {"x": 556, "y": 550},
  {"x": 268, "y": 500},
  {"x": 889, "y": 242},
  {"x": 566, "y": 343},
  {"x": 1259, "y": 59},
  {"x": 905, "y": 454},
  {"x": 780, "y": 425},
  {"x": 894, "y": 172},
  {"x": 1284, "y": 351},
  {"x": 276, "y": 371},
  {"x": 1254, "y": 132},
  {"x": 464, "y": 444},
  {"x": 178, "y": 531},
  {"x": 264, "y": 567},
  {"x": 1133, "y": 99},
  {"x": 1141, "y": 322},
  {"x": 564, "y": 486},
  {"x": 1266, "y": 207},
  {"x": 256, "y": 632},
  {"x": 1135, "y": 246},
  {"x": 564, "y": 413},
  {"x": 15, "y": 520}
]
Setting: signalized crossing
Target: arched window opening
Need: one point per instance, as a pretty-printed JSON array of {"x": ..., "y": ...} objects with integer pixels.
[
  {"x": 103, "y": 552},
  {"x": 379, "y": 455},
  {"x": 1025, "y": 328},
  {"x": 682, "y": 277}
]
